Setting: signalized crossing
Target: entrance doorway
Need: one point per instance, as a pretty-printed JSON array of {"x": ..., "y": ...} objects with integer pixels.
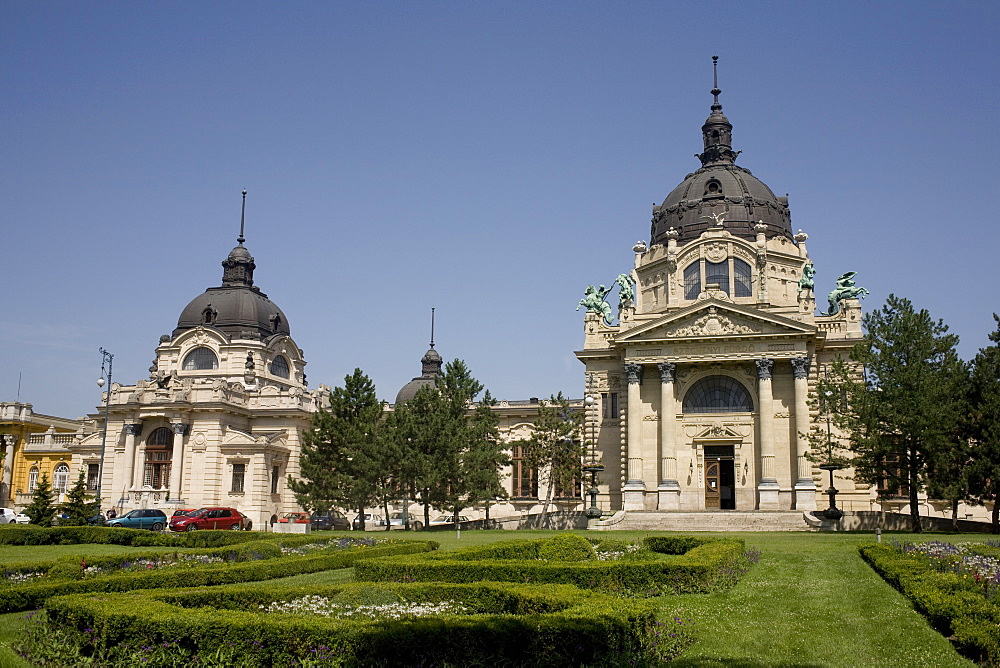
[{"x": 720, "y": 478}]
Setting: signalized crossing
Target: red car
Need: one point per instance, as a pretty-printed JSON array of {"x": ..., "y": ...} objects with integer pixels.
[
  {"x": 211, "y": 518},
  {"x": 295, "y": 518}
]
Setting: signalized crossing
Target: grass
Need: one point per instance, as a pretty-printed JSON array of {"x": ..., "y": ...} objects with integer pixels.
[
  {"x": 810, "y": 601},
  {"x": 10, "y": 554}
]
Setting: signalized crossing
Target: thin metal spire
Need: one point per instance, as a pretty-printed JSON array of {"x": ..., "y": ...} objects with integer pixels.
[
  {"x": 432, "y": 327},
  {"x": 243, "y": 216},
  {"x": 715, "y": 84}
]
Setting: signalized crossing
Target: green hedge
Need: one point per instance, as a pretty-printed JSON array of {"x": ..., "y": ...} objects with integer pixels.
[
  {"x": 32, "y": 594},
  {"x": 507, "y": 624},
  {"x": 709, "y": 566},
  {"x": 955, "y": 606},
  {"x": 26, "y": 534}
]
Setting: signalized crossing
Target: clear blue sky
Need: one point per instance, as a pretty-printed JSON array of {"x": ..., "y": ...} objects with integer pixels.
[{"x": 488, "y": 159}]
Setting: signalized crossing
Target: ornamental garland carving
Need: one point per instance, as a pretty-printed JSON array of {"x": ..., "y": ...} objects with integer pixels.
[{"x": 716, "y": 324}]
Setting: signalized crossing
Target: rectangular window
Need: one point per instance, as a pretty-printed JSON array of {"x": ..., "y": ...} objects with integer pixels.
[
  {"x": 524, "y": 479},
  {"x": 93, "y": 471},
  {"x": 274, "y": 479},
  {"x": 609, "y": 405},
  {"x": 156, "y": 476},
  {"x": 239, "y": 470},
  {"x": 894, "y": 480},
  {"x": 32, "y": 480},
  {"x": 742, "y": 278},
  {"x": 717, "y": 272},
  {"x": 692, "y": 280}
]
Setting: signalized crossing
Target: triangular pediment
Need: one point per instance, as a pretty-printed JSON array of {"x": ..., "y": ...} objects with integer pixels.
[{"x": 714, "y": 319}]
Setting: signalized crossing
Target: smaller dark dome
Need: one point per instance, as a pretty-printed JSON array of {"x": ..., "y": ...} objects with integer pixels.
[{"x": 430, "y": 365}]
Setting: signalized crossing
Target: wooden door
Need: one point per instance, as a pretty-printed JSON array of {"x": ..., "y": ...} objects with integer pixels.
[{"x": 712, "y": 484}]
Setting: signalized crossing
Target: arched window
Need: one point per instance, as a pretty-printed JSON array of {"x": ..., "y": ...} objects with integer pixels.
[
  {"x": 718, "y": 394},
  {"x": 201, "y": 359},
  {"x": 279, "y": 367},
  {"x": 60, "y": 478},
  {"x": 159, "y": 451},
  {"x": 32, "y": 479},
  {"x": 733, "y": 276}
]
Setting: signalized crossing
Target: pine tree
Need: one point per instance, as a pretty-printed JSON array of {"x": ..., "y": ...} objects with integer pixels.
[
  {"x": 342, "y": 459},
  {"x": 554, "y": 448},
  {"x": 41, "y": 510},
  {"x": 902, "y": 414},
  {"x": 77, "y": 507},
  {"x": 984, "y": 426}
]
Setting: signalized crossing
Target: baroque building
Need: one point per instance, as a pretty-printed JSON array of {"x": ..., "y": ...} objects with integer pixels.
[
  {"x": 220, "y": 418},
  {"x": 33, "y": 445},
  {"x": 704, "y": 379}
]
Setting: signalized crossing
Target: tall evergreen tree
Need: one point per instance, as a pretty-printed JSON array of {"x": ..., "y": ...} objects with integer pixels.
[
  {"x": 984, "y": 423},
  {"x": 78, "y": 508},
  {"x": 486, "y": 456},
  {"x": 342, "y": 458},
  {"x": 420, "y": 431},
  {"x": 902, "y": 413},
  {"x": 41, "y": 510},
  {"x": 554, "y": 448}
]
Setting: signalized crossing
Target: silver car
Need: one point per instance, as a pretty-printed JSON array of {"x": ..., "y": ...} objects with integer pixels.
[{"x": 11, "y": 516}]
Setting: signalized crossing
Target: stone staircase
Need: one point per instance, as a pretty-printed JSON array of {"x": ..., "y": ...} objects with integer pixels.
[{"x": 729, "y": 520}]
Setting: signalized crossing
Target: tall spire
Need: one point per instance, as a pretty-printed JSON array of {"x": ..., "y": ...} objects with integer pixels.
[
  {"x": 717, "y": 132},
  {"x": 243, "y": 216},
  {"x": 237, "y": 269},
  {"x": 432, "y": 327}
]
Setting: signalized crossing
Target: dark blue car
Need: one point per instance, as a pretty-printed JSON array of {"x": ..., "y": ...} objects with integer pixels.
[{"x": 141, "y": 518}]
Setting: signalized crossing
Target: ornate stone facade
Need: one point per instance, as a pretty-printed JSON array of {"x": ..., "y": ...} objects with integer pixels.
[{"x": 719, "y": 313}]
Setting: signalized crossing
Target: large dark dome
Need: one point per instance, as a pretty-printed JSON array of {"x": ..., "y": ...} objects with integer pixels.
[
  {"x": 727, "y": 190},
  {"x": 237, "y": 308},
  {"x": 430, "y": 366},
  {"x": 722, "y": 189}
]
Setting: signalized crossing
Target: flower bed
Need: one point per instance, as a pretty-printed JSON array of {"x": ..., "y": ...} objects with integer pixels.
[
  {"x": 460, "y": 624},
  {"x": 25, "y": 591},
  {"x": 709, "y": 564},
  {"x": 951, "y": 586}
]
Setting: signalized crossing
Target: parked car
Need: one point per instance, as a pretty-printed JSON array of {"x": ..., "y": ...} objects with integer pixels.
[
  {"x": 183, "y": 512},
  {"x": 140, "y": 518},
  {"x": 372, "y": 521},
  {"x": 11, "y": 516},
  {"x": 211, "y": 518},
  {"x": 330, "y": 519},
  {"x": 448, "y": 519},
  {"x": 294, "y": 518},
  {"x": 396, "y": 521}
]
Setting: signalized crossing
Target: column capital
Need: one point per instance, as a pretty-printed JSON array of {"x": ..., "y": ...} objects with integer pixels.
[
  {"x": 180, "y": 428},
  {"x": 800, "y": 367},
  {"x": 133, "y": 428},
  {"x": 634, "y": 372},
  {"x": 667, "y": 371},
  {"x": 764, "y": 365}
]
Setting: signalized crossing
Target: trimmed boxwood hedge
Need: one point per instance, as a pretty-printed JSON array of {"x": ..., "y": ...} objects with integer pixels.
[
  {"x": 509, "y": 624},
  {"x": 26, "y": 534},
  {"x": 707, "y": 566},
  {"x": 953, "y": 605},
  {"x": 32, "y": 594}
]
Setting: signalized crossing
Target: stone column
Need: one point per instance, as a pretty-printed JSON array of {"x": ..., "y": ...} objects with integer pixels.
[
  {"x": 177, "y": 462},
  {"x": 767, "y": 488},
  {"x": 132, "y": 430},
  {"x": 805, "y": 488},
  {"x": 634, "y": 488},
  {"x": 669, "y": 490}
]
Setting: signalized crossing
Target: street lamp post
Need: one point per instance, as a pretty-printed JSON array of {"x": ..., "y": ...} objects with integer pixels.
[
  {"x": 593, "y": 468},
  {"x": 833, "y": 512},
  {"x": 106, "y": 359}
]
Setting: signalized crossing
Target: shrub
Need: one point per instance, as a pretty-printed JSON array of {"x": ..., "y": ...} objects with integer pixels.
[
  {"x": 506, "y": 624},
  {"x": 712, "y": 565},
  {"x": 567, "y": 547},
  {"x": 955, "y": 606},
  {"x": 34, "y": 593}
]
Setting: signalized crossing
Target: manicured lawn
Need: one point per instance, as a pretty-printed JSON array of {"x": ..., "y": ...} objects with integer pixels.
[
  {"x": 10, "y": 554},
  {"x": 810, "y": 601}
]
